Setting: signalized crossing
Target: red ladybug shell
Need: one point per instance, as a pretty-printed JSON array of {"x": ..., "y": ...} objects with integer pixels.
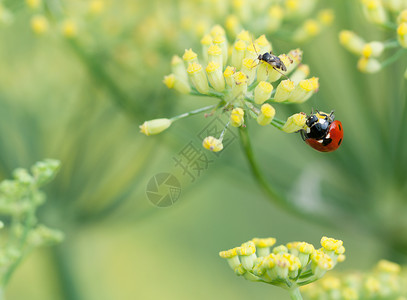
[{"x": 335, "y": 133}]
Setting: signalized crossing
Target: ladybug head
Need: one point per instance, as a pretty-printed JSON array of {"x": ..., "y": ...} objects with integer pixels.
[{"x": 311, "y": 120}]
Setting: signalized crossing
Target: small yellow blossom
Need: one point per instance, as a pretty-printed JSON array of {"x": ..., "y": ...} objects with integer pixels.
[
  {"x": 388, "y": 267},
  {"x": 96, "y": 7},
  {"x": 266, "y": 115},
  {"x": 369, "y": 65},
  {"x": 213, "y": 144},
  {"x": 326, "y": 16},
  {"x": 69, "y": 28},
  {"x": 155, "y": 126},
  {"x": 215, "y": 76},
  {"x": 402, "y": 17},
  {"x": 237, "y": 117},
  {"x": 284, "y": 90},
  {"x": 172, "y": 82},
  {"x": 262, "y": 92},
  {"x": 33, "y": 4},
  {"x": 402, "y": 34},
  {"x": 39, "y": 24},
  {"x": 198, "y": 78},
  {"x": 295, "y": 123},
  {"x": 351, "y": 41},
  {"x": 228, "y": 73},
  {"x": 190, "y": 57}
]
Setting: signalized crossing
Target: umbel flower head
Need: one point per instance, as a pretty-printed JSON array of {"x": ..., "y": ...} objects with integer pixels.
[
  {"x": 391, "y": 15},
  {"x": 247, "y": 83},
  {"x": 385, "y": 281},
  {"x": 288, "y": 266}
]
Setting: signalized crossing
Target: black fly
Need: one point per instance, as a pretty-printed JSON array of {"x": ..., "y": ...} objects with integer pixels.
[{"x": 272, "y": 60}]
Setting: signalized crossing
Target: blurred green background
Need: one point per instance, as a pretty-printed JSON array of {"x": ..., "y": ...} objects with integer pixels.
[{"x": 81, "y": 100}]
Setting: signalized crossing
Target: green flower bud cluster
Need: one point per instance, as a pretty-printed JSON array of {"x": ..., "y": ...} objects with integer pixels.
[
  {"x": 288, "y": 266},
  {"x": 19, "y": 199},
  {"x": 387, "y": 280},
  {"x": 391, "y": 15}
]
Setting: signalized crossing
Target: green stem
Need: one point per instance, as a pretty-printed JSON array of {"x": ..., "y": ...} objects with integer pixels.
[
  {"x": 28, "y": 224},
  {"x": 295, "y": 294},
  {"x": 267, "y": 189},
  {"x": 394, "y": 58},
  {"x": 209, "y": 94},
  {"x": 66, "y": 278},
  {"x": 272, "y": 195},
  {"x": 194, "y": 112},
  {"x": 388, "y": 25},
  {"x": 391, "y": 44}
]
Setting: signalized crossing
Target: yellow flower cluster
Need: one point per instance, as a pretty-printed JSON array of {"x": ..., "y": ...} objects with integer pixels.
[
  {"x": 68, "y": 27},
  {"x": 388, "y": 14},
  {"x": 246, "y": 84},
  {"x": 385, "y": 281},
  {"x": 289, "y": 266},
  {"x": 271, "y": 16}
]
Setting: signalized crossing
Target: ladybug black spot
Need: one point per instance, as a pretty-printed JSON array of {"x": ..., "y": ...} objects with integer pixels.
[
  {"x": 340, "y": 141},
  {"x": 340, "y": 129}
]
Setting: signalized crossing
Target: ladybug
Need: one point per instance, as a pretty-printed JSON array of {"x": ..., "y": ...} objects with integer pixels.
[{"x": 322, "y": 132}]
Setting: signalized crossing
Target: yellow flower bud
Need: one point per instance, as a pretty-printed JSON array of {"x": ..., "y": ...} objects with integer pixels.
[
  {"x": 304, "y": 90},
  {"x": 244, "y": 35},
  {"x": 221, "y": 42},
  {"x": 301, "y": 73},
  {"x": 228, "y": 73},
  {"x": 402, "y": 34},
  {"x": 263, "y": 43},
  {"x": 178, "y": 68},
  {"x": 326, "y": 17},
  {"x": 249, "y": 68},
  {"x": 386, "y": 266},
  {"x": 239, "y": 85},
  {"x": 369, "y": 65},
  {"x": 198, "y": 78},
  {"x": 402, "y": 18},
  {"x": 252, "y": 50},
  {"x": 262, "y": 92},
  {"x": 237, "y": 117},
  {"x": 39, "y": 24},
  {"x": 266, "y": 115},
  {"x": 33, "y": 4},
  {"x": 215, "y": 76},
  {"x": 351, "y": 41},
  {"x": 238, "y": 52},
  {"x": 373, "y": 49},
  {"x": 374, "y": 11},
  {"x": 309, "y": 29},
  {"x": 190, "y": 57},
  {"x": 217, "y": 30},
  {"x": 295, "y": 123},
  {"x": 330, "y": 244},
  {"x": 155, "y": 126},
  {"x": 215, "y": 54},
  {"x": 206, "y": 42},
  {"x": 232, "y": 24},
  {"x": 96, "y": 7},
  {"x": 69, "y": 29},
  {"x": 284, "y": 90},
  {"x": 213, "y": 144},
  {"x": 173, "y": 82},
  {"x": 276, "y": 15}
]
